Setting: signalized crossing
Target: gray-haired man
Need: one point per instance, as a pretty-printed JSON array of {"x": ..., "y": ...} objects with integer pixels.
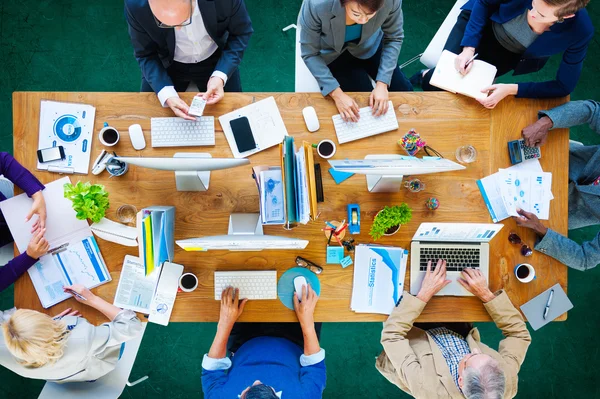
[
  {"x": 449, "y": 360},
  {"x": 584, "y": 185}
]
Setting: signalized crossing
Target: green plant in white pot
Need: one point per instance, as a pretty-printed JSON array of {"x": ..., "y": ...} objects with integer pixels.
[
  {"x": 90, "y": 201},
  {"x": 389, "y": 219}
]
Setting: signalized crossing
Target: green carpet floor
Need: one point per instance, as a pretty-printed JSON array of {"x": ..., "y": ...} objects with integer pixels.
[{"x": 66, "y": 45}]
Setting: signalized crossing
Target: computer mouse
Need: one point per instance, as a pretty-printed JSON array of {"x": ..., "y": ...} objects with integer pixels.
[
  {"x": 299, "y": 282},
  {"x": 311, "y": 119},
  {"x": 137, "y": 137}
]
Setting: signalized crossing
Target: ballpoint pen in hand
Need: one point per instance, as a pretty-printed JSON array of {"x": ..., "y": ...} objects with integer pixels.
[
  {"x": 548, "y": 303},
  {"x": 76, "y": 295},
  {"x": 471, "y": 60}
]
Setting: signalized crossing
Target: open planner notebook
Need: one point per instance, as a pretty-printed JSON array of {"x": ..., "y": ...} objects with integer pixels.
[{"x": 448, "y": 78}]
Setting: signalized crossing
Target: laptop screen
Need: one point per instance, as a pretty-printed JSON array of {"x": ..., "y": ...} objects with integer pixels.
[{"x": 457, "y": 232}]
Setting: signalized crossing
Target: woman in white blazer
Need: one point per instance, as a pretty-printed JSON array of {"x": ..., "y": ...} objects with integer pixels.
[{"x": 66, "y": 348}]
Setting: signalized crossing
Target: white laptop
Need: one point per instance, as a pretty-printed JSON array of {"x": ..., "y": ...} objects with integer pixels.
[{"x": 460, "y": 244}]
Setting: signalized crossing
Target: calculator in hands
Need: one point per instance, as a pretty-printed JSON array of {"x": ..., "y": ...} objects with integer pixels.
[{"x": 519, "y": 152}]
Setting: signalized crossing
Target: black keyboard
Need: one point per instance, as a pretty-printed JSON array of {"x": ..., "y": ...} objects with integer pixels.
[{"x": 456, "y": 258}]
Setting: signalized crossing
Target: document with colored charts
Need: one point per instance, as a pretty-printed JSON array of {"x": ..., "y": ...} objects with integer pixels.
[
  {"x": 136, "y": 290},
  {"x": 74, "y": 256},
  {"x": 378, "y": 278}
]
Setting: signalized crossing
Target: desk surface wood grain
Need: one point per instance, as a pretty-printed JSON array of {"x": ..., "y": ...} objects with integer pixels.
[{"x": 444, "y": 120}]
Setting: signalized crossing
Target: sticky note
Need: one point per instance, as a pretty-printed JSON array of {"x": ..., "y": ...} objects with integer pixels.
[
  {"x": 335, "y": 254},
  {"x": 347, "y": 261},
  {"x": 338, "y": 176}
]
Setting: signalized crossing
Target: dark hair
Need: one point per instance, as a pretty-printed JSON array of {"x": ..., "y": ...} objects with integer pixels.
[
  {"x": 566, "y": 7},
  {"x": 261, "y": 391},
  {"x": 369, "y": 5}
]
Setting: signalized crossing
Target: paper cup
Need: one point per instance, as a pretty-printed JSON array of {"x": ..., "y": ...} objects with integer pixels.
[{"x": 524, "y": 272}]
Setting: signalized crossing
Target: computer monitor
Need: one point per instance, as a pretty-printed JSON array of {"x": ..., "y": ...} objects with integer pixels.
[
  {"x": 385, "y": 172},
  {"x": 192, "y": 170},
  {"x": 245, "y": 234}
]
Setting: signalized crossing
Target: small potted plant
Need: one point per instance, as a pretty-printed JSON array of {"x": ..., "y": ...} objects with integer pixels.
[
  {"x": 90, "y": 201},
  {"x": 389, "y": 219}
]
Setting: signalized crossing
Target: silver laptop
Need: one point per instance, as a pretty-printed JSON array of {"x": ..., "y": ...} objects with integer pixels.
[{"x": 462, "y": 245}]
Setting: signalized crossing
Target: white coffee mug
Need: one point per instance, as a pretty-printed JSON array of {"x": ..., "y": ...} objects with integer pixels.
[
  {"x": 184, "y": 289},
  {"x": 108, "y": 130},
  {"x": 325, "y": 144},
  {"x": 525, "y": 278}
]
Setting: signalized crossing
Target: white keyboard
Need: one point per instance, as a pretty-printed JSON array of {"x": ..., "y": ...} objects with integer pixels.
[
  {"x": 252, "y": 284},
  {"x": 368, "y": 125},
  {"x": 178, "y": 132}
]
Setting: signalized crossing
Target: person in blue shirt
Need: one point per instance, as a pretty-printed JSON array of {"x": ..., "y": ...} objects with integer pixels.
[
  {"x": 268, "y": 360},
  {"x": 520, "y": 36}
]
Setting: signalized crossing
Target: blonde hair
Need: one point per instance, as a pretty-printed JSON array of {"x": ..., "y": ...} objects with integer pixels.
[{"x": 33, "y": 338}]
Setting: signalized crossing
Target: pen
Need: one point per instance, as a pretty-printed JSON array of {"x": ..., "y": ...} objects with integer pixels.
[
  {"x": 548, "y": 303},
  {"x": 330, "y": 235},
  {"x": 337, "y": 230},
  {"x": 330, "y": 225},
  {"x": 471, "y": 60},
  {"x": 77, "y": 295}
]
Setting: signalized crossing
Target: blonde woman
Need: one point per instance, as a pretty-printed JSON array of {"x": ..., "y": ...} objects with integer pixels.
[{"x": 66, "y": 348}]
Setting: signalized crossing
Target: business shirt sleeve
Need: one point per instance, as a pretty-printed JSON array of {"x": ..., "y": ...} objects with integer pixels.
[
  {"x": 310, "y": 48},
  {"x": 240, "y": 30},
  {"x": 393, "y": 35},
  {"x": 513, "y": 347},
  {"x": 482, "y": 9},
  {"x": 397, "y": 348},
  {"x": 575, "y": 113},
  {"x": 214, "y": 377},
  {"x": 567, "y": 75},
  {"x": 146, "y": 53},
  {"x": 19, "y": 175},
  {"x": 14, "y": 269},
  {"x": 576, "y": 256}
]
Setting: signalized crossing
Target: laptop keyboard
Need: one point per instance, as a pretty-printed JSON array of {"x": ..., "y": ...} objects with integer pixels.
[{"x": 456, "y": 258}]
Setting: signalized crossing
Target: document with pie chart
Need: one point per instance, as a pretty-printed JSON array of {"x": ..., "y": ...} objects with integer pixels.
[{"x": 72, "y": 126}]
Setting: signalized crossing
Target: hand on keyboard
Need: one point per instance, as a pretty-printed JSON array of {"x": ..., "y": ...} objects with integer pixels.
[
  {"x": 179, "y": 108},
  {"x": 433, "y": 281},
  {"x": 379, "y": 99},
  {"x": 231, "y": 306},
  {"x": 346, "y": 105},
  {"x": 305, "y": 308},
  {"x": 475, "y": 282}
]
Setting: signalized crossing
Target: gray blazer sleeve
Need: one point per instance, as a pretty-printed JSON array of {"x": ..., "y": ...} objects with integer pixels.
[
  {"x": 310, "y": 48},
  {"x": 568, "y": 252},
  {"x": 393, "y": 35},
  {"x": 575, "y": 113}
]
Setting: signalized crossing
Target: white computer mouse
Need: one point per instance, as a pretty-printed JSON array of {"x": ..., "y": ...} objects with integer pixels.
[
  {"x": 299, "y": 282},
  {"x": 137, "y": 137},
  {"x": 311, "y": 119}
]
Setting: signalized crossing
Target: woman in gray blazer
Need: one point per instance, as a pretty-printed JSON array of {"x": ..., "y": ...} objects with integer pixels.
[
  {"x": 346, "y": 42},
  {"x": 65, "y": 348}
]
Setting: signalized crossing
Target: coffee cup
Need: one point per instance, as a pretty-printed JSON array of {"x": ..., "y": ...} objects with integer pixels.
[
  {"x": 188, "y": 282},
  {"x": 325, "y": 148},
  {"x": 525, "y": 273},
  {"x": 108, "y": 136}
]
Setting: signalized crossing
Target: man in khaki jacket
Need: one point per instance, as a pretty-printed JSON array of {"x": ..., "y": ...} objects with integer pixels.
[{"x": 441, "y": 363}]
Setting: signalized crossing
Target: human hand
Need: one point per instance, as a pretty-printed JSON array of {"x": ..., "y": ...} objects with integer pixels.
[
  {"x": 497, "y": 93},
  {"x": 460, "y": 62},
  {"x": 37, "y": 208},
  {"x": 536, "y": 134},
  {"x": 82, "y": 291},
  {"x": 214, "y": 90},
  {"x": 231, "y": 306},
  {"x": 434, "y": 281},
  {"x": 38, "y": 245},
  {"x": 529, "y": 220},
  {"x": 67, "y": 312},
  {"x": 378, "y": 100},
  {"x": 179, "y": 108},
  {"x": 305, "y": 308},
  {"x": 346, "y": 106},
  {"x": 475, "y": 282}
]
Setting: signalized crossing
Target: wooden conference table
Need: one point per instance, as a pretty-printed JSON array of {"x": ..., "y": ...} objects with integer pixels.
[{"x": 444, "y": 120}]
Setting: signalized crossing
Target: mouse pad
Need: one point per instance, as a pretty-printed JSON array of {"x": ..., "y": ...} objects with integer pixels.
[{"x": 285, "y": 286}]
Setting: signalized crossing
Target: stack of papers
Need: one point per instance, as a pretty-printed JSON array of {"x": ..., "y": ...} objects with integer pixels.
[
  {"x": 270, "y": 188},
  {"x": 523, "y": 186},
  {"x": 378, "y": 278},
  {"x": 156, "y": 236}
]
